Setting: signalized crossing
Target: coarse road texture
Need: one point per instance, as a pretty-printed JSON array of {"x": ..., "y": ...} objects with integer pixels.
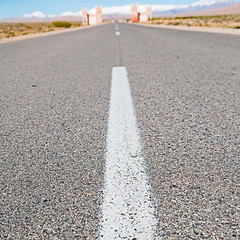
[
  {"x": 54, "y": 95},
  {"x": 54, "y": 111}
]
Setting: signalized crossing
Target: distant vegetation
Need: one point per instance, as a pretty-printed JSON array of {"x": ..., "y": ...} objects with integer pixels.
[
  {"x": 8, "y": 30},
  {"x": 62, "y": 24},
  {"x": 222, "y": 21}
]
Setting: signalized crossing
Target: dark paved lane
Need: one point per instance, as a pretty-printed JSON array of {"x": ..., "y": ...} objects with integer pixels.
[
  {"x": 186, "y": 90},
  {"x": 54, "y": 108}
]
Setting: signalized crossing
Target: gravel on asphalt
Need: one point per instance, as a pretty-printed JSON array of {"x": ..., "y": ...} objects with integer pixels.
[{"x": 186, "y": 91}]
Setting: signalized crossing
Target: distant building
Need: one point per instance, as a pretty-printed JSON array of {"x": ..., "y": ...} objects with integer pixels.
[
  {"x": 85, "y": 17},
  {"x": 93, "y": 19},
  {"x": 141, "y": 17},
  {"x": 135, "y": 14}
]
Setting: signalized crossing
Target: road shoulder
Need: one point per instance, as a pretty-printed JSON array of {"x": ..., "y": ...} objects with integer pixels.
[
  {"x": 35, "y": 35},
  {"x": 194, "y": 29}
]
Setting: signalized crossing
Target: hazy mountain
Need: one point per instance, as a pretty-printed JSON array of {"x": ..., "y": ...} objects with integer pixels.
[
  {"x": 24, "y": 20},
  {"x": 66, "y": 18},
  {"x": 197, "y": 7},
  {"x": 32, "y": 20},
  {"x": 233, "y": 9}
]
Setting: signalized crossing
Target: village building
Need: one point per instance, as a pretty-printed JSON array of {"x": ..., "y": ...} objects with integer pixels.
[
  {"x": 85, "y": 17},
  {"x": 92, "y": 19},
  {"x": 141, "y": 17}
]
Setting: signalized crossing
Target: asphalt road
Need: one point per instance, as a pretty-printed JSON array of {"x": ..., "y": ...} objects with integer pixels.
[{"x": 55, "y": 92}]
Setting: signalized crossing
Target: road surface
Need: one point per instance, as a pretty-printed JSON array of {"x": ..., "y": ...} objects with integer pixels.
[{"x": 64, "y": 172}]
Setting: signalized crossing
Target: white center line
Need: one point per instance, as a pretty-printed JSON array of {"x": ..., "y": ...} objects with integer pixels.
[
  {"x": 127, "y": 209},
  {"x": 117, "y": 33},
  {"x": 116, "y": 26}
]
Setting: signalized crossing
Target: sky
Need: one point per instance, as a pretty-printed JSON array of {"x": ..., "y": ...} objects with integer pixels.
[
  {"x": 17, "y": 8},
  {"x": 51, "y": 8}
]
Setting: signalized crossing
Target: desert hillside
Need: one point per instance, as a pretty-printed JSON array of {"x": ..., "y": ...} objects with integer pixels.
[{"x": 234, "y": 9}]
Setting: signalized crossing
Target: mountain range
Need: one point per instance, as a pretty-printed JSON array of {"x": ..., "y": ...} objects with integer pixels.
[{"x": 197, "y": 7}]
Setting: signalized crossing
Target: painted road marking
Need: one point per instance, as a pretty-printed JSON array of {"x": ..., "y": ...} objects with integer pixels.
[
  {"x": 127, "y": 209},
  {"x": 117, "y": 33},
  {"x": 116, "y": 26}
]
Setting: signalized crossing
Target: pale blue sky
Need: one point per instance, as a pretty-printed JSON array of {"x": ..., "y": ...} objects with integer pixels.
[{"x": 16, "y": 8}]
